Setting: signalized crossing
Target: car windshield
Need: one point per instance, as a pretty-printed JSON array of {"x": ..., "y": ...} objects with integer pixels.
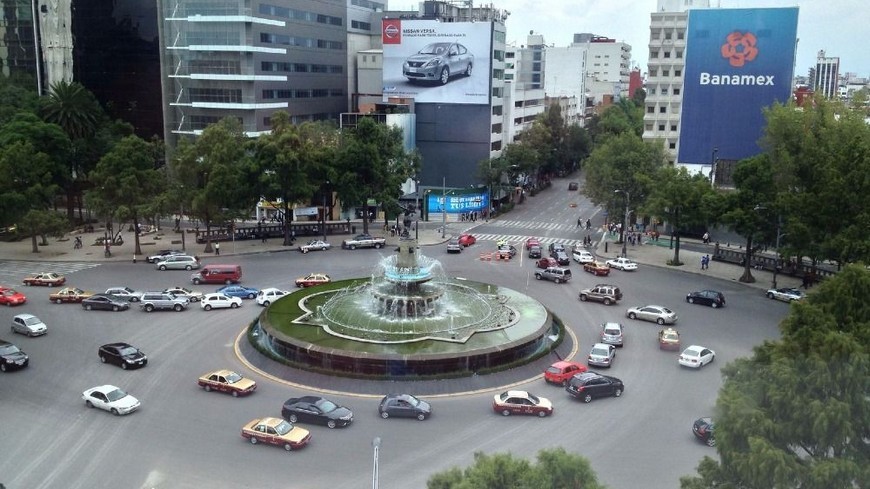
[
  {"x": 9, "y": 292},
  {"x": 692, "y": 352},
  {"x": 438, "y": 48},
  {"x": 115, "y": 395},
  {"x": 611, "y": 331},
  {"x": 32, "y": 321},
  {"x": 233, "y": 377},
  {"x": 534, "y": 399},
  {"x": 129, "y": 350},
  {"x": 553, "y": 370},
  {"x": 327, "y": 406},
  {"x": 8, "y": 349},
  {"x": 602, "y": 352},
  {"x": 283, "y": 428}
]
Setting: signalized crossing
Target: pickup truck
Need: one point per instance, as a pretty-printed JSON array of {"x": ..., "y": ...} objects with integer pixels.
[{"x": 363, "y": 241}]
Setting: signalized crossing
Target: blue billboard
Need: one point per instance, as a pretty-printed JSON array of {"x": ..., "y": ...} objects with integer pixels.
[
  {"x": 738, "y": 61},
  {"x": 457, "y": 204}
]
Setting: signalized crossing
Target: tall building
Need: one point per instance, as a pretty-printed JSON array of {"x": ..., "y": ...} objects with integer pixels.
[
  {"x": 18, "y": 54},
  {"x": 524, "y": 88},
  {"x": 827, "y": 75}
]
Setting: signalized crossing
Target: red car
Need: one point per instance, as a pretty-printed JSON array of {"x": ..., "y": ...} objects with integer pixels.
[
  {"x": 467, "y": 240},
  {"x": 50, "y": 279},
  {"x": 562, "y": 371},
  {"x": 532, "y": 242},
  {"x": 11, "y": 297},
  {"x": 547, "y": 262}
]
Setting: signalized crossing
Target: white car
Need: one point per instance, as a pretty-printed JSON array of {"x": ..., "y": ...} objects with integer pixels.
[
  {"x": 787, "y": 294},
  {"x": 125, "y": 293},
  {"x": 110, "y": 398},
  {"x": 269, "y": 295},
  {"x": 622, "y": 263},
  {"x": 696, "y": 356},
  {"x": 191, "y": 295},
  {"x": 29, "y": 325},
  {"x": 582, "y": 256},
  {"x": 219, "y": 301},
  {"x": 315, "y": 245}
]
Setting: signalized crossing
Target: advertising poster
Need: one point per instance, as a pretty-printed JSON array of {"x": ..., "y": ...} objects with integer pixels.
[
  {"x": 738, "y": 61},
  {"x": 437, "y": 62},
  {"x": 457, "y": 204}
]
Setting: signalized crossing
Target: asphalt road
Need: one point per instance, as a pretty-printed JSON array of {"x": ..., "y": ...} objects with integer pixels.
[{"x": 185, "y": 438}]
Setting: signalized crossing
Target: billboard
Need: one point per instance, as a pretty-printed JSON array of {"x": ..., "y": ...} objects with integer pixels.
[
  {"x": 457, "y": 204},
  {"x": 437, "y": 62},
  {"x": 738, "y": 61}
]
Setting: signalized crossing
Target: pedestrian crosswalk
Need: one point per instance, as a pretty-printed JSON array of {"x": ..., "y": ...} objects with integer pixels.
[
  {"x": 541, "y": 226},
  {"x": 518, "y": 240},
  {"x": 13, "y": 271}
]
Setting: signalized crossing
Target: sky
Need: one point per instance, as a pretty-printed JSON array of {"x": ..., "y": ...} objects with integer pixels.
[{"x": 840, "y": 27}]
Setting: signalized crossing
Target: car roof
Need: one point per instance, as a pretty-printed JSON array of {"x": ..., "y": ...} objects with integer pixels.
[
  {"x": 25, "y": 316},
  {"x": 105, "y": 389},
  {"x": 117, "y": 345},
  {"x": 517, "y": 393},
  {"x": 564, "y": 363},
  {"x": 272, "y": 422},
  {"x": 223, "y": 372}
]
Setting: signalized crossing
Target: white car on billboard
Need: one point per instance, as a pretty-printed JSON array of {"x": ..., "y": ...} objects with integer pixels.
[{"x": 438, "y": 61}]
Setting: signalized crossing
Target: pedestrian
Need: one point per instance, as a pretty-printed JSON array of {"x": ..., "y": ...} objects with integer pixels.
[
  {"x": 706, "y": 238},
  {"x": 588, "y": 224},
  {"x": 217, "y": 248},
  {"x": 706, "y": 262},
  {"x": 292, "y": 236},
  {"x": 579, "y": 219},
  {"x": 805, "y": 281}
]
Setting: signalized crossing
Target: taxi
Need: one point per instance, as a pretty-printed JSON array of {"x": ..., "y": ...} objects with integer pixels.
[
  {"x": 227, "y": 381},
  {"x": 49, "y": 279},
  {"x": 521, "y": 402},
  {"x": 313, "y": 279},
  {"x": 669, "y": 339},
  {"x": 276, "y": 431},
  {"x": 69, "y": 295}
]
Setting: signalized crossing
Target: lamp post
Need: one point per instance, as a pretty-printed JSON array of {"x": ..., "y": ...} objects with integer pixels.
[
  {"x": 181, "y": 218},
  {"x": 376, "y": 444},
  {"x": 779, "y": 236},
  {"x": 624, "y": 219},
  {"x": 417, "y": 209},
  {"x": 324, "y": 211},
  {"x": 444, "y": 208}
]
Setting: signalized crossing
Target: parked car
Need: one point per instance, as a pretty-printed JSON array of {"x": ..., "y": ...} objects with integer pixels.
[
  {"x": 69, "y": 295},
  {"x": 438, "y": 62},
  {"x": 238, "y": 291},
  {"x": 453, "y": 246},
  {"x": 521, "y": 402},
  {"x": 315, "y": 245},
  {"x": 162, "y": 254},
  {"x": 467, "y": 240},
  {"x": 589, "y": 385},
  {"x": 710, "y": 298},
  {"x": 608, "y": 294},
  {"x": 703, "y": 429},
  {"x": 28, "y": 324},
  {"x": 183, "y": 292},
  {"x": 601, "y": 355},
  {"x": 533, "y": 242},
  {"x": 269, "y": 295},
  {"x": 669, "y": 339},
  {"x": 178, "y": 262},
  {"x": 573, "y": 186},
  {"x": 49, "y": 279},
  {"x": 219, "y": 301},
  {"x": 11, "y": 297},
  {"x": 546, "y": 262},
  {"x": 313, "y": 279},
  {"x": 535, "y": 252},
  {"x": 582, "y": 256},
  {"x": 613, "y": 334},
  {"x": 656, "y": 314},
  {"x": 105, "y": 302},
  {"x": 162, "y": 301},
  {"x": 227, "y": 381},
  {"x": 404, "y": 406},
  {"x": 786, "y": 294},
  {"x": 125, "y": 293},
  {"x": 123, "y": 355},
  {"x": 696, "y": 356},
  {"x": 622, "y": 263},
  {"x": 11, "y": 357},
  {"x": 562, "y": 371},
  {"x": 596, "y": 268},
  {"x": 314, "y": 409},
  {"x": 276, "y": 431},
  {"x": 110, "y": 398},
  {"x": 556, "y": 274}
]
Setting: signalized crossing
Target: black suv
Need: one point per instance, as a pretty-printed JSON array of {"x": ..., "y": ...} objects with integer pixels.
[
  {"x": 608, "y": 294},
  {"x": 556, "y": 274},
  {"x": 11, "y": 358},
  {"x": 589, "y": 385},
  {"x": 162, "y": 301},
  {"x": 535, "y": 252}
]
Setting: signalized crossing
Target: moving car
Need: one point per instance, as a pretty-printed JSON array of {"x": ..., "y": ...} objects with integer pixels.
[
  {"x": 573, "y": 186},
  {"x": 561, "y": 258},
  {"x": 703, "y": 429},
  {"x": 696, "y": 356},
  {"x": 219, "y": 301},
  {"x": 658, "y": 314},
  {"x": 313, "y": 279},
  {"x": 49, "y": 279},
  {"x": 178, "y": 262},
  {"x": 315, "y": 245},
  {"x": 582, "y": 256},
  {"x": 313, "y": 409},
  {"x": 11, "y": 297},
  {"x": 710, "y": 298},
  {"x": 613, "y": 334},
  {"x": 28, "y": 324},
  {"x": 269, "y": 295},
  {"x": 556, "y": 274},
  {"x": 506, "y": 251},
  {"x": 437, "y": 62},
  {"x": 110, "y": 398},
  {"x": 589, "y": 385},
  {"x": 562, "y": 371},
  {"x": 238, "y": 291},
  {"x": 363, "y": 241},
  {"x": 453, "y": 246},
  {"x": 125, "y": 293},
  {"x": 123, "y": 355},
  {"x": 535, "y": 252},
  {"x": 669, "y": 339},
  {"x": 596, "y": 268},
  {"x": 162, "y": 301},
  {"x": 69, "y": 294},
  {"x": 276, "y": 431},
  {"x": 467, "y": 240},
  {"x": 227, "y": 381},
  {"x": 11, "y": 357},
  {"x": 182, "y": 292},
  {"x": 404, "y": 406},
  {"x": 533, "y": 242},
  {"x": 105, "y": 302},
  {"x": 521, "y": 402},
  {"x": 608, "y": 294},
  {"x": 546, "y": 262},
  {"x": 601, "y": 355},
  {"x": 786, "y": 294},
  {"x": 162, "y": 254},
  {"x": 622, "y": 263}
]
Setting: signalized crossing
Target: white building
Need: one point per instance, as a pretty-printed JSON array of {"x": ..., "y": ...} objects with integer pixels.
[
  {"x": 827, "y": 75},
  {"x": 524, "y": 91}
]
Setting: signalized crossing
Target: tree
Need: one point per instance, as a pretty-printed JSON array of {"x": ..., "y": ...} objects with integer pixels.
[
  {"x": 129, "y": 182},
  {"x": 796, "y": 414},
  {"x": 16, "y": 97},
  {"x": 625, "y": 116},
  {"x": 555, "y": 469}
]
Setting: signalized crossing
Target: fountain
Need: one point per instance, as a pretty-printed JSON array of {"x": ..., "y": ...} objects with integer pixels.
[{"x": 407, "y": 320}]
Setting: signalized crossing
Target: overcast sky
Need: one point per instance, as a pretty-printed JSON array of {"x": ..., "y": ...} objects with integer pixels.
[{"x": 840, "y": 27}]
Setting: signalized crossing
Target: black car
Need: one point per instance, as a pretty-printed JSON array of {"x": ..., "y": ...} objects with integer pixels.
[
  {"x": 105, "y": 302},
  {"x": 123, "y": 355},
  {"x": 561, "y": 257},
  {"x": 710, "y": 298},
  {"x": 554, "y": 247},
  {"x": 703, "y": 430},
  {"x": 589, "y": 385},
  {"x": 535, "y": 252},
  {"x": 11, "y": 358},
  {"x": 404, "y": 406},
  {"x": 313, "y": 409}
]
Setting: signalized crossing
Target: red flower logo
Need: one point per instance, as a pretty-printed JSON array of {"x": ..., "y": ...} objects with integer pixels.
[{"x": 739, "y": 48}]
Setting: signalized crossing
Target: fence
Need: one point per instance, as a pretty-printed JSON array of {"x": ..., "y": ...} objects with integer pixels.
[
  {"x": 770, "y": 263},
  {"x": 300, "y": 230}
]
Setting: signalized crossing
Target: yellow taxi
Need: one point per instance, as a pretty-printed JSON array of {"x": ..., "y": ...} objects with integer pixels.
[
  {"x": 69, "y": 294},
  {"x": 227, "y": 381},
  {"x": 276, "y": 431},
  {"x": 669, "y": 339}
]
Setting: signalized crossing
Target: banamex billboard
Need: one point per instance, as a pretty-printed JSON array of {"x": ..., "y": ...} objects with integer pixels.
[
  {"x": 738, "y": 61},
  {"x": 437, "y": 62}
]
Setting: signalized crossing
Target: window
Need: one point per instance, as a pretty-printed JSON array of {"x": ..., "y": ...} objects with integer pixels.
[
  {"x": 650, "y": 110},
  {"x": 365, "y": 26},
  {"x": 666, "y": 72},
  {"x": 673, "y": 128},
  {"x": 676, "y": 91},
  {"x": 664, "y": 90},
  {"x": 653, "y": 72},
  {"x": 679, "y": 54},
  {"x": 681, "y": 35},
  {"x": 668, "y": 36},
  {"x": 654, "y": 54},
  {"x": 661, "y": 128},
  {"x": 663, "y": 110},
  {"x": 667, "y": 54},
  {"x": 672, "y": 145},
  {"x": 678, "y": 72},
  {"x": 651, "y": 91}
]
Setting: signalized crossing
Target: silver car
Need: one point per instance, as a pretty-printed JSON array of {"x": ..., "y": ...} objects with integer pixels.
[
  {"x": 438, "y": 62},
  {"x": 613, "y": 334},
  {"x": 601, "y": 355},
  {"x": 178, "y": 262},
  {"x": 29, "y": 325},
  {"x": 656, "y": 314}
]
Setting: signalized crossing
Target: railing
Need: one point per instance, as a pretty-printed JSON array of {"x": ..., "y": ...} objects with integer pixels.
[
  {"x": 769, "y": 263},
  {"x": 307, "y": 229}
]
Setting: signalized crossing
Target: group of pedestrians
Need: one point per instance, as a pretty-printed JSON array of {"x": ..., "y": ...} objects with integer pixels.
[
  {"x": 587, "y": 226},
  {"x": 705, "y": 262}
]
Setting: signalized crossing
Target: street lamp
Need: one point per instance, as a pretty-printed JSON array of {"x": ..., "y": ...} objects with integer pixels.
[
  {"x": 417, "y": 209},
  {"x": 625, "y": 218},
  {"x": 376, "y": 444},
  {"x": 324, "y": 211}
]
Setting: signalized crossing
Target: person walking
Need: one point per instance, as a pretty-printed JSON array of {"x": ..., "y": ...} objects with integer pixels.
[
  {"x": 217, "y": 248},
  {"x": 579, "y": 220},
  {"x": 588, "y": 224},
  {"x": 704, "y": 262},
  {"x": 706, "y": 238}
]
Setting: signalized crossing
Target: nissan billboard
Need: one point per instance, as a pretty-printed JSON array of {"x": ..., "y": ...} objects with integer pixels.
[
  {"x": 738, "y": 61},
  {"x": 437, "y": 62}
]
